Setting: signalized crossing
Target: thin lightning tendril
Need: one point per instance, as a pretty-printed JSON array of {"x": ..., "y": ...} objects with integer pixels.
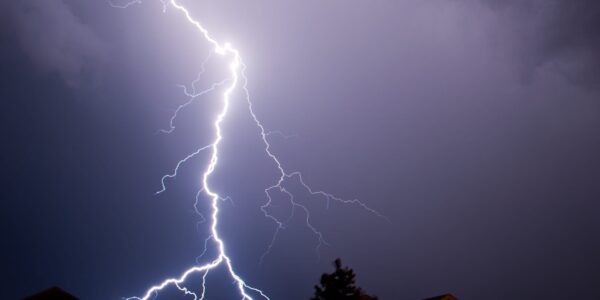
[{"x": 237, "y": 70}]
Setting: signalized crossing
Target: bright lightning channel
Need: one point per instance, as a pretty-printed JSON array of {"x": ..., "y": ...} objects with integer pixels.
[{"x": 237, "y": 76}]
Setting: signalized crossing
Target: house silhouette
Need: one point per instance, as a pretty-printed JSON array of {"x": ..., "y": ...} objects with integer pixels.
[
  {"x": 53, "y": 293},
  {"x": 443, "y": 297}
]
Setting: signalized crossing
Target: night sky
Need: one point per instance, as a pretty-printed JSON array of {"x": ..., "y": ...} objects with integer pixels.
[{"x": 473, "y": 125}]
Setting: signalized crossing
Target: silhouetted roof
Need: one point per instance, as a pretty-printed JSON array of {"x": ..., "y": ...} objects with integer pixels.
[
  {"x": 443, "y": 297},
  {"x": 53, "y": 293}
]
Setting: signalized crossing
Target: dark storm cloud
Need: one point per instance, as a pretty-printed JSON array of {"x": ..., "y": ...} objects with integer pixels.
[
  {"x": 563, "y": 35},
  {"x": 54, "y": 39}
]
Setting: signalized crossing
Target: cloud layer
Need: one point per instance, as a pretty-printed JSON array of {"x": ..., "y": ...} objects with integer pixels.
[
  {"x": 55, "y": 40},
  {"x": 560, "y": 34}
]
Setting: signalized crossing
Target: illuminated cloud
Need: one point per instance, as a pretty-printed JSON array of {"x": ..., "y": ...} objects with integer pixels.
[
  {"x": 558, "y": 34},
  {"x": 55, "y": 40}
]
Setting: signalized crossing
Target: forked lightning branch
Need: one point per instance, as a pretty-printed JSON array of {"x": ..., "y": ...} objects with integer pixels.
[{"x": 237, "y": 80}]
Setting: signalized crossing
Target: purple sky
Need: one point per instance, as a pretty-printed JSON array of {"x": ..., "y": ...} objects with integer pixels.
[{"x": 473, "y": 125}]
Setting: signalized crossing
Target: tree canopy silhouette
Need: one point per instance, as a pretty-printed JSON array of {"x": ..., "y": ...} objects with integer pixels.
[{"x": 340, "y": 285}]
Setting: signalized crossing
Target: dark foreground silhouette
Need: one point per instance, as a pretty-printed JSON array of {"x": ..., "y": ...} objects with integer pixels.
[
  {"x": 53, "y": 293},
  {"x": 443, "y": 297},
  {"x": 340, "y": 285}
]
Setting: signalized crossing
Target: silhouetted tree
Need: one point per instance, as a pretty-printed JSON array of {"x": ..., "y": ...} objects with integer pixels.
[{"x": 340, "y": 285}]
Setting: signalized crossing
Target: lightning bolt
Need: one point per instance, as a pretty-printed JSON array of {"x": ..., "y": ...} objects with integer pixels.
[{"x": 237, "y": 73}]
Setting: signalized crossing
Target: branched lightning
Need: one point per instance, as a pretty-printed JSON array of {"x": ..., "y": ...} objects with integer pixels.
[{"x": 237, "y": 78}]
